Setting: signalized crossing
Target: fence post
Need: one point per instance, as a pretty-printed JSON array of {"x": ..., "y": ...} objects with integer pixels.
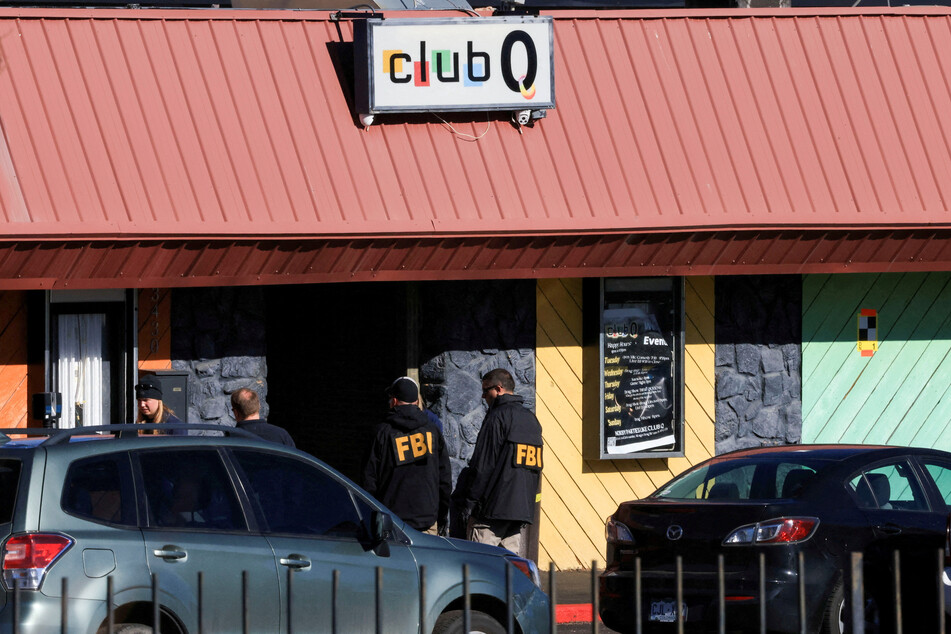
[
  {"x": 680, "y": 595},
  {"x": 638, "y": 615},
  {"x": 802, "y": 593},
  {"x": 63, "y": 618},
  {"x": 290, "y": 602},
  {"x": 379, "y": 600},
  {"x": 941, "y": 606},
  {"x": 858, "y": 592},
  {"x": 422, "y": 600},
  {"x": 594, "y": 597},
  {"x": 245, "y": 604},
  {"x": 201, "y": 601},
  {"x": 509, "y": 608},
  {"x": 898, "y": 616},
  {"x": 721, "y": 595},
  {"x": 467, "y": 600},
  {"x": 762, "y": 593},
  {"x": 553, "y": 599},
  {"x": 335, "y": 592},
  {"x": 110, "y": 612},
  {"x": 156, "y": 615}
]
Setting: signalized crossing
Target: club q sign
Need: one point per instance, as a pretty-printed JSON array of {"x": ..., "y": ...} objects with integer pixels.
[{"x": 453, "y": 64}]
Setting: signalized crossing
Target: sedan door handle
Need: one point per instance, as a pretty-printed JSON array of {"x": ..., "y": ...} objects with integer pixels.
[
  {"x": 168, "y": 552},
  {"x": 888, "y": 529},
  {"x": 296, "y": 562}
]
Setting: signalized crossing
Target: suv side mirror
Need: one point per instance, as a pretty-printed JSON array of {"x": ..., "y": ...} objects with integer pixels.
[{"x": 381, "y": 527}]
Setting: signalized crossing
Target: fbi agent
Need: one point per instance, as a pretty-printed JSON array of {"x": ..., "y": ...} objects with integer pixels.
[
  {"x": 505, "y": 467},
  {"x": 407, "y": 465}
]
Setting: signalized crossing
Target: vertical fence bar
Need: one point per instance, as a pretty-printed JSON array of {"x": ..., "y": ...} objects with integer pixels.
[
  {"x": 721, "y": 595},
  {"x": 156, "y": 616},
  {"x": 467, "y": 600},
  {"x": 290, "y": 601},
  {"x": 802, "y": 593},
  {"x": 897, "y": 563},
  {"x": 379, "y": 599},
  {"x": 680, "y": 595},
  {"x": 201, "y": 602},
  {"x": 64, "y": 603},
  {"x": 594, "y": 597},
  {"x": 638, "y": 616},
  {"x": 762, "y": 593},
  {"x": 553, "y": 599},
  {"x": 423, "y": 626},
  {"x": 335, "y": 592},
  {"x": 245, "y": 604},
  {"x": 110, "y": 602},
  {"x": 858, "y": 598},
  {"x": 941, "y": 606},
  {"x": 509, "y": 607},
  {"x": 16, "y": 606}
]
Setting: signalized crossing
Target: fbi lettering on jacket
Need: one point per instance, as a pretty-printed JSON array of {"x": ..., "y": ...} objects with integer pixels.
[{"x": 412, "y": 447}]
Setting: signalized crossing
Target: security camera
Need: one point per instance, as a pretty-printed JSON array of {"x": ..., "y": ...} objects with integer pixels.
[
  {"x": 522, "y": 117},
  {"x": 366, "y": 120}
]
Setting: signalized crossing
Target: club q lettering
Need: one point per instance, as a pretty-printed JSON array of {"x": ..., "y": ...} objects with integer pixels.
[
  {"x": 445, "y": 67},
  {"x": 454, "y": 64}
]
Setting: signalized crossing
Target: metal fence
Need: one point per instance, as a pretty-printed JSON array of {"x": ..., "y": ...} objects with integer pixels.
[{"x": 857, "y": 590}]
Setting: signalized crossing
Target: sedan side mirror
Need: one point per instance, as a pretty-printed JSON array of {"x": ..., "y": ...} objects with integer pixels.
[{"x": 381, "y": 527}]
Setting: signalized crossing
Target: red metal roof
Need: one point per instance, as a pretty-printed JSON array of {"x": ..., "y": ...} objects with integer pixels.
[
  {"x": 206, "y": 127},
  {"x": 237, "y": 123}
]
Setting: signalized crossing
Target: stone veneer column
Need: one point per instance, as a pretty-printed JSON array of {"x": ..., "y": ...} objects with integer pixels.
[
  {"x": 758, "y": 361},
  {"x": 468, "y": 329}
]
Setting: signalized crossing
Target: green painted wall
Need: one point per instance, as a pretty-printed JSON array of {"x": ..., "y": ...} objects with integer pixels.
[{"x": 902, "y": 394}]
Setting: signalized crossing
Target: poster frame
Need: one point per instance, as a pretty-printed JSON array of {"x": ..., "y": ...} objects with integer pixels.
[{"x": 677, "y": 371}]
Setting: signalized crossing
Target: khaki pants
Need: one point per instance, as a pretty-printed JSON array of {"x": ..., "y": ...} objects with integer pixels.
[{"x": 504, "y": 533}]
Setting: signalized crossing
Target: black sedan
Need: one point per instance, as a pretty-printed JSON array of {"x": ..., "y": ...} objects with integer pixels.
[{"x": 824, "y": 501}]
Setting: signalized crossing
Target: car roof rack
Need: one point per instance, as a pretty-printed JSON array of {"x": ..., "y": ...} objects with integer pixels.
[{"x": 125, "y": 430}]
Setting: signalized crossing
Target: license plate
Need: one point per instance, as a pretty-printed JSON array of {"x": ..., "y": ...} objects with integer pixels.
[{"x": 666, "y": 611}]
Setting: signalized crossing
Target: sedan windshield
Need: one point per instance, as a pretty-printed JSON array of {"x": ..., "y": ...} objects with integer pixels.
[{"x": 756, "y": 478}]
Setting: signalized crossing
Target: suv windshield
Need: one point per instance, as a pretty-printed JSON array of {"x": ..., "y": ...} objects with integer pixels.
[{"x": 759, "y": 478}]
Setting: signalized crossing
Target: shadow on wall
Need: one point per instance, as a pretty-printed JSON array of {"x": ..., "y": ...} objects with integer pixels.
[{"x": 218, "y": 336}]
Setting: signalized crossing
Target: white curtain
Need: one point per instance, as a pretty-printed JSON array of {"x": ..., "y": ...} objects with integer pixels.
[{"x": 80, "y": 369}]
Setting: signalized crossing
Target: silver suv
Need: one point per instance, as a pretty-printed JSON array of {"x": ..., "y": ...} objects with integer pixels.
[{"x": 228, "y": 534}]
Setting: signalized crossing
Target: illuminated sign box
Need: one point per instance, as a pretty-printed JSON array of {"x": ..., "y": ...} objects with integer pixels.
[{"x": 454, "y": 64}]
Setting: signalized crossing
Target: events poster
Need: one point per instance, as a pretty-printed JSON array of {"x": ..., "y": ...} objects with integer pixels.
[{"x": 638, "y": 379}]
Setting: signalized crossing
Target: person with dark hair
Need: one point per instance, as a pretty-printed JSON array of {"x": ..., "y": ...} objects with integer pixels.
[
  {"x": 246, "y": 407},
  {"x": 407, "y": 462},
  {"x": 505, "y": 468},
  {"x": 151, "y": 409}
]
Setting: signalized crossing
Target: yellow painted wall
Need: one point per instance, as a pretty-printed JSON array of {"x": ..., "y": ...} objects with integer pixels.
[{"x": 579, "y": 493}]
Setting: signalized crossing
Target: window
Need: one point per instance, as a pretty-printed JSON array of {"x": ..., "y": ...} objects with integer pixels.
[
  {"x": 9, "y": 484},
  {"x": 941, "y": 474},
  {"x": 196, "y": 494},
  {"x": 889, "y": 487},
  {"x": 298, "y": 498},
  {"x": 641, "y": 367},
  {"x": 759, "y": 478},
  {"x": 100, "y": 489}
]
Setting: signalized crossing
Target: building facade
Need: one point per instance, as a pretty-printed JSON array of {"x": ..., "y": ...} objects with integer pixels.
[{"x": 762, "y": 196}]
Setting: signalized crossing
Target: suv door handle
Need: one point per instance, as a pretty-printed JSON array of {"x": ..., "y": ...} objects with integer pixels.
[
  {"x": 888, "y": 529},
  {"x": 169, "y": 553},
  {"x": 296, "y": 562}
]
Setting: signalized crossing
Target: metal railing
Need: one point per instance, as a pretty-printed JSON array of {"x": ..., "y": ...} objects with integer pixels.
[{"x": 856, "y": 591}]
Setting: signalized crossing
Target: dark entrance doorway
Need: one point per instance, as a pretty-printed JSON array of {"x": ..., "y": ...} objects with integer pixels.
[{"x": 332, "y": 350}]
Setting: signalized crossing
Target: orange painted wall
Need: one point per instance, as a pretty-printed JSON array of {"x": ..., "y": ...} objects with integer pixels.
[
  {"x": 14, "y": 392},
  {"x": 155, "y": 329}
]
